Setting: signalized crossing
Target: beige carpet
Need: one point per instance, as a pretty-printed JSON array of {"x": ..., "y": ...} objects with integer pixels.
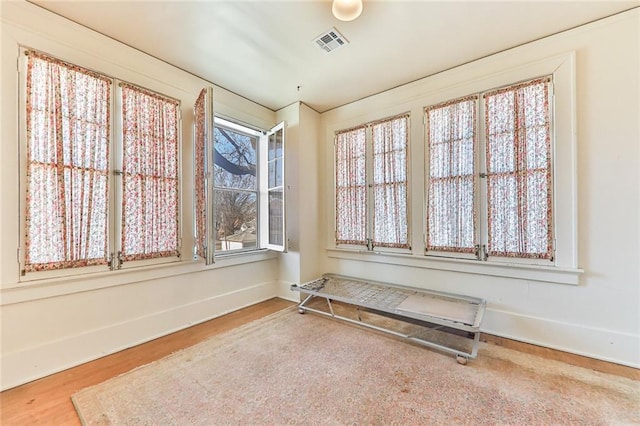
[{"x": 306, "y": 369}]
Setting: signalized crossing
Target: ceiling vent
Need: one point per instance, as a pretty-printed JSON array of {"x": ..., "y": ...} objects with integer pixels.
[{"x": 330, "y": 40}]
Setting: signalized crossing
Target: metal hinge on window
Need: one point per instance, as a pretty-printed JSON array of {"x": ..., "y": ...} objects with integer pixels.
[
  {"x": 369, "y": 244},
  {"x": 476, "y": 252},
  {"x": 115, "y": 261},
  {"x": 483, "y": 175},
  {"x": 485, "y": 253}
]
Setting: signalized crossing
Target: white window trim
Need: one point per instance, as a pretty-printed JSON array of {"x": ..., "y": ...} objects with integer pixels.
[
  {"x": 369, "y": 153},
  {"x": 115, "y": 190},
  {"x": 43, "y": 288},
  {"x": 552, "y": 274},
  {"x": 565, "y": 269}
]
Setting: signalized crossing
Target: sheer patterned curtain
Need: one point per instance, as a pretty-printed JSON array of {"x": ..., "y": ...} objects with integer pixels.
[
  {"x": 67, "y": 165},
  {"x": 390, "y": 204},
  {"x": 149, "y": 175},
  {"x": 351, "y": 187},
  {"x": 519, "y": 170},
  {"x": 451, "y": 138},
  {"x": 199, "y": 167}
]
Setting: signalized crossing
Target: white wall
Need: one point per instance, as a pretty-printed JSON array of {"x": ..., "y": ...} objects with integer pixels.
[
  {"x": 49, "y": 325},
  {"x": 600, "y": 316},
  {"x": 300, "y": 263}
]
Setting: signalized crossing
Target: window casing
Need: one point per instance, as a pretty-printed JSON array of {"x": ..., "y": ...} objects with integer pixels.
[
  {"x": 76, "y": 197},
  {"x": 506, "y": 208},
  {"x": 239, "y": 185},
  {"x": 371, "y": 185}
]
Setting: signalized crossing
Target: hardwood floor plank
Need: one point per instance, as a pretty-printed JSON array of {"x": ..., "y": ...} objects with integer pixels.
[{"x": 47, "y": 401}]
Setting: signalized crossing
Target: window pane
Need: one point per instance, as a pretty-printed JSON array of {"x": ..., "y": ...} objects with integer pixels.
[
  {"x": 390, "y": 220},
  {"x": 67, "y": 165},
  {"x": 451, "y": 201},
  {"x": 235, "y": 159},
  {"x": 276, "y": 216},
  {"x": 519, "y": 171},
  {"x": 351, "y": 190},
  {"x": 150, "y": 175},
  {"x": 275, "y": 172},
  {"x": 275, "y": 145},
  {"x": 236, "y": 220}
]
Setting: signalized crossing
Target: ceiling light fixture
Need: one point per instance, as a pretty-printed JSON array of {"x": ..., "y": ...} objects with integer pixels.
[{"x": 346, "y": 10}]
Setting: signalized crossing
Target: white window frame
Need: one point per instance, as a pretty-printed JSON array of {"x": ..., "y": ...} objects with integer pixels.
[
  {"x": 481, "y": 184},
  {"x": 369, "y": 203},
  {"x": 115, "y": 185},
  {"x": 479, "y": 77},
  {"x": 262, "y": 191}
]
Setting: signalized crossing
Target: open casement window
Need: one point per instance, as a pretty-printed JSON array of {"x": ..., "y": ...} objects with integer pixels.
[
  {"x": 371, "y": 184},
  {"x": 67, "y": 167},
  {"x": 518, "y": 164},
  {"x": 451, "y": 186},
  {"x": 273, "y": 236},
  {"x": 239, "y": 185},
  {"x": 150, "y": 131},
  {"x": 203, "y": 169}
]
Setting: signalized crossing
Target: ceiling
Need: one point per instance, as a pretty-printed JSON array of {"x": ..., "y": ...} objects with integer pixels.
[{"x": 264, "y": 50}]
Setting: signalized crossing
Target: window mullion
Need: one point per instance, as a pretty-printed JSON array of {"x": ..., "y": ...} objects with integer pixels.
[
  {"x": 369, "y": 202},
  {"x": 115, "y": 168},
  {"x": 481, "y": 181}
]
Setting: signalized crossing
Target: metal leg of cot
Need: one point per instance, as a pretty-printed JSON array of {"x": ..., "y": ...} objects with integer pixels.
[
  {"x": 330, "y": 307},
  {"x": 301, "y": 308}
]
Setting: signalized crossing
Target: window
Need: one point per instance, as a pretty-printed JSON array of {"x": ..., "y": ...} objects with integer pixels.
[
  {"x": 239, "y": 175},
  {"x": 235, "y": 182},
  {"x": 451, "y": 224},
  {"x": 68, "y": 111},
  {"x": 371, "y": 184},
  {"x": 71, "y": 215},
  {"x": 149, "y": 175},
  {"x": 514, "y": 184}
]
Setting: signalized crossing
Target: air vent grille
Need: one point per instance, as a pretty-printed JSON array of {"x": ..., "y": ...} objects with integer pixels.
[{"x": 330, "y": 40}]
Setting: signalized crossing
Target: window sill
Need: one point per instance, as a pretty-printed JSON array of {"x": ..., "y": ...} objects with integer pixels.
[
  {"x": 51, "y": 287},
  {"x": 552, "y": 274}
]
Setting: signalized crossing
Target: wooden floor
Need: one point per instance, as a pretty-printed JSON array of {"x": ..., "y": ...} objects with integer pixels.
[{"x": 48, "y": 401}]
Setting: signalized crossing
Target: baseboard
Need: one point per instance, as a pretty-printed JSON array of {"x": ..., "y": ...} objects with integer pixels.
[
  {"x": 283, "y": 291},
  {"x": 37, "y": 362},
  {"x": 596, "y": 343},
  {"x": 566, "y": 357}
]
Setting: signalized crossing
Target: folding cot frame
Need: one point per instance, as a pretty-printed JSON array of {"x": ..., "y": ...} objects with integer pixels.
[{"x": 422, "y": 307}]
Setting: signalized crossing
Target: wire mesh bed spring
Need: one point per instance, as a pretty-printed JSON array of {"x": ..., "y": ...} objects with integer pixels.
[{"x": 422, "y": 307}]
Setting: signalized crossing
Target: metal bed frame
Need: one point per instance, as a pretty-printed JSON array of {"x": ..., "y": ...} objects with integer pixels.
[{"x": 422, "y": 307}]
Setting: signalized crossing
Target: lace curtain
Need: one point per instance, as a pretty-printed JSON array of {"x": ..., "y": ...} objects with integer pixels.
[
  {"x": 351, "y": 187},
  {"x": 199, "y": 166},
  {"x": 451, "y": 223},
  {"x": 149, "y": 175},
  {"x": 67, "y": 165},
  {"x": 518, "y": 156},
  {"x": 390, "y": 221}
]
